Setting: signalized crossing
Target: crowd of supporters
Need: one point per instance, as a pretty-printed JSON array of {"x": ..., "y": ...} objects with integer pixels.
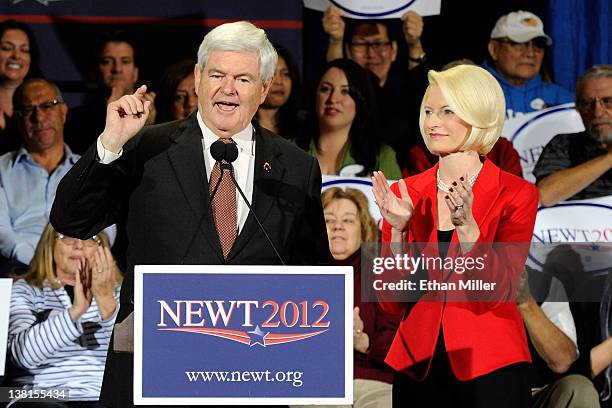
[{"x": 364, "y": 115}]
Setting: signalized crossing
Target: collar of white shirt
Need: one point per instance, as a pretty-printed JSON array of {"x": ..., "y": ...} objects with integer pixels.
[{"x": 244, "y": 138}]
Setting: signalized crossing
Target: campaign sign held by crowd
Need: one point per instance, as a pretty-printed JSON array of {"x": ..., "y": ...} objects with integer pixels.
[
  {"x": 243, "y": 335},
  {"x": 531, "y": 132}
]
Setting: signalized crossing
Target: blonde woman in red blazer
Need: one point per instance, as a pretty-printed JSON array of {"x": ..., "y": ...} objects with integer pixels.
[{"x": 474, "y": 354}]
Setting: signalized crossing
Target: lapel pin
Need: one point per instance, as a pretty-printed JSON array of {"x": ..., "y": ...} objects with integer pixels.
[{"x": 267, "y": 167}]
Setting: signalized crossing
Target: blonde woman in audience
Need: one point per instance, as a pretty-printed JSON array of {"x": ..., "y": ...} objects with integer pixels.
[
  {"x": 461, "y": 354},
  {"x": 62, "y": 315}
]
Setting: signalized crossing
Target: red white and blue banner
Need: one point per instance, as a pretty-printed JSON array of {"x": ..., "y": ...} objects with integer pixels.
[{"x": 257, "y": 335}]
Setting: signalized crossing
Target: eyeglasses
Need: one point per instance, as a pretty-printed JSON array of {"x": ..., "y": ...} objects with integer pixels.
[
  {"x": 589, "y": 104},
  {"x": 377, "y": 46},
  {"x": 89, "y": 243},
  {"x": 26, "y": 111},
  {"x": 537, "y": 44}
]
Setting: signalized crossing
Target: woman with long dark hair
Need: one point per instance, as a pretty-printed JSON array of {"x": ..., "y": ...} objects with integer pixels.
[
  {"x": 18, "y": 61},
  {"x": 343, "y": 133},
  {"x": 280, "y": 112},
  {"x": 177, "y": 98}
]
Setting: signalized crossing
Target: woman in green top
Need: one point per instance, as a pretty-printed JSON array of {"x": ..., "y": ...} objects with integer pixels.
[{"x": 342, "y": 133}]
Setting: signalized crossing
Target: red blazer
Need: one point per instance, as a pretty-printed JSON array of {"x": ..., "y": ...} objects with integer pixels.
[{"x": 480, "y": 337}]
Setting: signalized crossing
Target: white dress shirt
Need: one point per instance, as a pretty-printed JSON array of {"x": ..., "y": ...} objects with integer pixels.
[{"x": 244, "y": 166}]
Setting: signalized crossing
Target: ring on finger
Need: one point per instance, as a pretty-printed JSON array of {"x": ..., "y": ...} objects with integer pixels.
[{"x": 458, "y": 206}]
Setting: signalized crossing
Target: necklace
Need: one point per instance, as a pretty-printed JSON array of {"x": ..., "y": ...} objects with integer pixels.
[{"x": 446, "y": 188}]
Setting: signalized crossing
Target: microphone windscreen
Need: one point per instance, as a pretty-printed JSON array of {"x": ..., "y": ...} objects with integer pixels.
[
  {"x": 217, "y": 150},
  {"x": 231, "y": 152}
]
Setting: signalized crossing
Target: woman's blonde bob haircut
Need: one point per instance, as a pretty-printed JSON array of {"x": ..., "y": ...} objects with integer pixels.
[
  {"x": 476, "y": 97},
  {"x": 42, "y": 266},
  {"x": 369, "y": 232}
]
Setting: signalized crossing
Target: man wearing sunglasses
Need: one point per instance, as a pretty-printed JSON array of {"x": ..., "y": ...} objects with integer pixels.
[
  {"x": 516, "y": 49},
  {"x": 29, "y": 176}
]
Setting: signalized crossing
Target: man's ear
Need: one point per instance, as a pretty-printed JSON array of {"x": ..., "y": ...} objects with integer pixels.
[
  {"x": 266, "y": 89},
  {"x": 393, "y": 50},
  {"x": 135, "y": 76},
  {"x": 197, "y": 75},
  {"x": 493, "y": 48},
  {"x": 64, "y": 112}
]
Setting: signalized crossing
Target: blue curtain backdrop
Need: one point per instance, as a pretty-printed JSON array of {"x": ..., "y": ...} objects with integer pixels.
[{"x": 581, "y": 37}]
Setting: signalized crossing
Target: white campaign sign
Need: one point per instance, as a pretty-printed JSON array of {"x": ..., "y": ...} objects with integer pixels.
[
  {"x": 529, "y": 133},
  {"x": 377, "y": 9},
  {"x": 5, "y": 302},
  {"x": 581, "y": 223}
]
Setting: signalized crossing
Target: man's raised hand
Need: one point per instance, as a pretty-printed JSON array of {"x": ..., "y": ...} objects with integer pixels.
[{"x": 124, "y": 119}]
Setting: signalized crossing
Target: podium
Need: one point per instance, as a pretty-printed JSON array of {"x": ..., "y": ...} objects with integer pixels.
[{"x": 232, "y": 335}]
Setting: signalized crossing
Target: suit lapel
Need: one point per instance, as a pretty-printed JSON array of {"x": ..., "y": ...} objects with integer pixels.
[
  {"x": 187, "y": 160},
  {"x": 268, "y": 173}
]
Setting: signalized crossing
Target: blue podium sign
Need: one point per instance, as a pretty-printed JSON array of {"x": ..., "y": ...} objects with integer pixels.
[{"x": 228, "y": 335}]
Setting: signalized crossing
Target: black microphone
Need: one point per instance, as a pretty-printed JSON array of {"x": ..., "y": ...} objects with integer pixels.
[{"x": 219, "y": 151}]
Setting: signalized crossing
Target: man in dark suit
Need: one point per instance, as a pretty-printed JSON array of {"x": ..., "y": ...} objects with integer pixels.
[{"x": 159, "y": 180}]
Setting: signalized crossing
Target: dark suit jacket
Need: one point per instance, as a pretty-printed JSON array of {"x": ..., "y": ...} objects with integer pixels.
[
  {"x": 159, "y": 187},
  {"x": 479, "y": 337}
]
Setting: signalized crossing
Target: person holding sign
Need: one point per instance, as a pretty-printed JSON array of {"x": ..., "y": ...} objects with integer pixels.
[
  {"x": 471, "y": 354},
  {"x": 400, "y": 83}
]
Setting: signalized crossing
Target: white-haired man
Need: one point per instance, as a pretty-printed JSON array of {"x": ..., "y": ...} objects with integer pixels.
[
  {"x": 165, "y": 172},
  {"x": 578, "y": 166}
]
